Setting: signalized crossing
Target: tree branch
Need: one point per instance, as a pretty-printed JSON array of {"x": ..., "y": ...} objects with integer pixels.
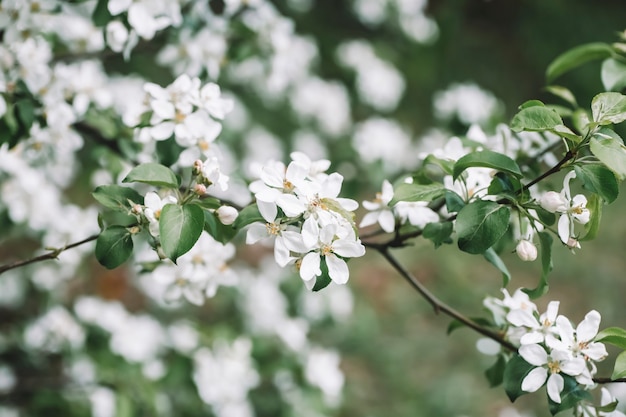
[{"x": 53, "y": 254}]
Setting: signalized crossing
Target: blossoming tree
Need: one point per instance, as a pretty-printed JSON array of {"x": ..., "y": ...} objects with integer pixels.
[{"x": 175, "y": 197}]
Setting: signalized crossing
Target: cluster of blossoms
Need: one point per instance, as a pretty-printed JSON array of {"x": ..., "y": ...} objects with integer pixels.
[
  {"x": 549, "y": 342},
  {"x": 313, "y": 227}
]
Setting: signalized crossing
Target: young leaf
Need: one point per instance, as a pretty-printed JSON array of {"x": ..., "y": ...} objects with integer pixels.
[
  {"x": 545, "y": 240},
  {"x": 563, "y": 93},
  {"x": 515, "y": 371},
  {"x": 479, "y": 225},
  {"x": 492, "y": 257},
  {"x": 250, "y": 214},
  {"x": 220, "y": 232},
  {"x": 323, "y": 280},
  {"x": 572, "y": 394},
  {"x": 114, "y": 246},
  {"x": 439, "y": 233},
  {"x": 599, "y": 180},
  {"x": 613, "y": 75},
  {"x": 619, "y": 370},
  {"x": 576, "y": 57},
  {"x": 611, "y": 152},
  {"x": 180, "y": 228},
  {"x": 566, "y": 132},
  {"x": 25, "y": 110},
  {"x": 613, "y": 335},
  {"x": 495, "y": 374},
  {"x": 486, "y": 159},
  {"x": 530, "y": 103},
  {"x": 535, "y": 119},
  {"x": 153, "y": 174},
  {"x": 594, "y": 204},
  {"x": 417, "y": 192},
  {"x": 116, "y": 197},
  {"x": 607, "y": 108}
]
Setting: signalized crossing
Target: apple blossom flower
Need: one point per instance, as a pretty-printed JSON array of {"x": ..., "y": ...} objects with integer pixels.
[
  {"x": 153, "y": 206},
  {"x": 526, "y": 250},
  {"x": 379, "y": 210}
]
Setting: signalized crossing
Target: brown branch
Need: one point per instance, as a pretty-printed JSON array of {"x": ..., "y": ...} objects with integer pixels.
[{"x": 53, "y": 254}]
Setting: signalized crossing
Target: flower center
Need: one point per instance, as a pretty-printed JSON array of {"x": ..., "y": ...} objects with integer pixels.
[
  {"x": 554, "y": 367},
  {"x": 273, "y": 229},
  {"x": 288, "y": 186},
  {"x": 326, "y": 250}
]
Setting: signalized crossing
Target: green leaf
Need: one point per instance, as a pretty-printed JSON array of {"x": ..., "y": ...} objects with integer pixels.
[
  {"x": 613, "y": 75},
  {"x": 619, "y": 370},
  {"x": 454, "y": 202},
  {"x": 607, "y": 108},
  {"x": 250, "y": 214},
  {"x": 444, "y": 164},
  {"x": 116, "y": 197},
  {"x": 101, "y": 15},
  {"x": 153, "y": 174},
  {"x": 25, "y": 110},
  {"x": 180, "y": 228},
  {"x": 417, "y": 192},
  {"x": 486, "y": 159},
  {"x": 565, "y": 132},
  {"x": 515, "y": 371},
  {"x": 220, "y": 232},
  {"x": 546, "y": 266},
  {"x": 495, "y": 373},
  {"x": 615, "y": 336},
  {"x": 530, "y": 103},
  {"x": 563, "y": 93},
  {"x": 503, "y": 183},
  {"x": 611, "y": 152},
  {"x": 114, "y": 246},
  {"x": 535, "y": 119},
  {"x": 492, "y": 257},
  {"x": 545, "y": 216},
  {"x": 439, "y": 232},
  {"x": 571, "y": 395},
  {"x": 581, "y": 121},
  {"x": 575, "y": 57},
  {"x": 479, "y": 225},
  {"x": 594, "y": 205},
  {"x": 323, "y": 280},
  {"x": 207, "y": 202}
]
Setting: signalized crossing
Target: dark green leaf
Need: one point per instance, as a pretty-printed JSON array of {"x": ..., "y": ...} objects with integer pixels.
[
  {"x": 454, "y": 202},
  {"x": 479, "y": 225},
  {"x": 101, "y": 15},
  {"x": 563, "y": 93},
  {"x": 153, "y": 174},
  {"x": 179, "y": 228},
  {"x": 619, "y": 370},
  {"x": 535, "y": 119},
  {"x": 571, "y": 395},
  {"x": 503, "y": 183},
  {"x": 486, "y": 159},
  {"x": 545, "y": 216},
  {"x": 594, "y": 205},
  {"x": 417, "y": 192},
  {"x": 209, "y": 202},
  {"x": 117, "y": 197},
  {"x": 444, "y": 164},
  {"x": 323, "y": 280},
  {"x": 495, "y": 374},
  {"x": 439, "y": 233},
  {"x": 613, "y": 335},
  {"x": 613, "y": 75},
  {"x": 250, "y": 214},
  {"x": 546, "y": 266},
  {"x": 114, "y": 246},
  {"x": 25, "y": 110},
  {"x": 515, "y": 371},
  {"x": 566, "y": 132},
  {"x": 492, "y": 257},
  {"x": 611, "y": 152},
  {"x": 220, "y": 232},
  {"x": 576, "y": 57},
  {"x": 607, "y": 108}
]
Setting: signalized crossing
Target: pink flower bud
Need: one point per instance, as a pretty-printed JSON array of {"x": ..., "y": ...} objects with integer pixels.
[
  {"x": 553, "y": 201},
  {"x": 573, "y": 243},
  {"x": 526, "y": 250},
  {"x": 227, "y": 214},
  {"x": 197, "y": 167},
  {"x": 199, "y": 189}
]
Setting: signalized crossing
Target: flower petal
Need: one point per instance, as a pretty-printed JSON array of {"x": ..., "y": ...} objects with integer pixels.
[
  {"x": 555, "y": 386},
  {"x": 535, "y": 379},
  {"x": 310, "y": 266},
  {"x": 588, "y": 328},
  {"x": 564, "y": 228},
  {"x": 534, "y": 354},
  {"x": 337, "y": 269}
]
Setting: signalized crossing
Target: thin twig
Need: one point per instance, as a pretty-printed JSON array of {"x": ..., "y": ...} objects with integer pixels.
[{"x": 53, "y": 254}]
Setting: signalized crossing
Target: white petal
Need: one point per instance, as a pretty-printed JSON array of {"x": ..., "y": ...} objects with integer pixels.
[
  {"x": 348, "y": 248},
  {"x": 564, "y": 228},
  {"x": 281, "y": 253},
  {"x": 370, "y": 219},
  {"x": 162, "y": 131},
  {"x": 387, "y": 192},
  {"x": 347, "y": 204},
  {"x": 573, "y": 367},
  {"x": 552, "y": 311},
  {"x": 291, "y": 205},
  {"x": 531, "y": 338},
  {"x": 256, "y": 232},
  {"x": 387, "y": 221},
  {"x": 534, "y": 380},
  {"x": 268, "y": 210},
  {"x": 596, "y": 351},
  {"x": 310, "y": 266},
  {"x": 555, "y": 386},
  {"x": 293, "y": 241},
  {"x": 332, "y": 186},
  {"x": 522, "y": 318},
  {"x": 193, "y": 295},
  {"x": 588, "y": 328},
  {"x": 534, "y": 354},
  {"x": 337, "y": 269}
]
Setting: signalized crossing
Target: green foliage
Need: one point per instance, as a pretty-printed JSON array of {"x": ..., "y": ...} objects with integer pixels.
[
  {"x": 417, "y": 192},
  {"x": 571, "y": 395},
  {"x": 563, "y": 93},
  {"x": 480, "y": 224},
  {"x": 101, "y": 15},
  {"x": 611, "y": 152},
  {"x": 607, "y": 108},
  {"x": 515, "y": 371},
  {"x": 114, "y": 246},
  {"x": 599, "y": 180},
  {"x": 492, "y": 257},
  {"x": 180, "y": 227},
  {"x": 438, "y": 232},
  {"x": 545, "y": 240},
  {"x": 613, "y": 74},
  {"x": 220, "y": 232},
  {"x": 117, "y": 197},
  {"x": 250, "y": 214},
  {"x": 576, "y": 57},
  {"x": 619, "y": 370},
  {"x": 486, "y": 159},
  {"x": 324, "y": 279},
  {"x": 535, "y": 119},
  {"x": 615, "y": 336},
  {"x": 594, "y": 205},
  {"x": 153, "y": 174},
  {"x": 495, "y": 373},
  {"x": 454, "y": 202}
]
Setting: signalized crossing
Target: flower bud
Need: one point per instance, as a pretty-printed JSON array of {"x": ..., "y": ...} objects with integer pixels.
[
  {"x": 199, "y": 189},
  {"x": 553, "y": 201},
  {"x": 573, "y": 243},
  {"x": 227, "y": 214},
  {"x": 197, "y": 167},
  {"x": 526, "y": 250}
]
